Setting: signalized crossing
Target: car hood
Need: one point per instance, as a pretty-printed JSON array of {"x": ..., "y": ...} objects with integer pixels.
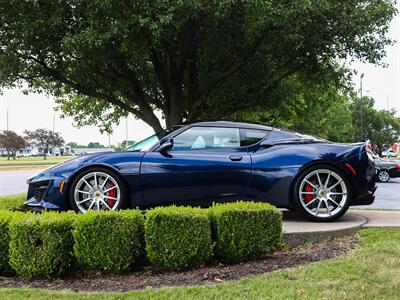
[{"x": 126, "y": 161}]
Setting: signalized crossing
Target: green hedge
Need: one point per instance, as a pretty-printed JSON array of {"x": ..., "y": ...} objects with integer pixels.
[
  {"x": 178, "y": 237},
  {"x": 12, "y": 202},
  {"x": 5, "y": 219},
  {"x": 41, "y": 244},
  {"x": 245, "y": 230},
  {"x": 109, "y": 240},
  {"x": 175, "y": 238}
]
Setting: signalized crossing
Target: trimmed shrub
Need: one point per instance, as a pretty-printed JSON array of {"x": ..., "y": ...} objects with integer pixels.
[
  {"x": 5, "y": 219},
  {"x": 12, "y": 202},
  {"x": 111, "y": 240},
  {"x": 245, "y": 230},
  {"x": 178, "y": 237},
  {"x": 41, "y": 244}
]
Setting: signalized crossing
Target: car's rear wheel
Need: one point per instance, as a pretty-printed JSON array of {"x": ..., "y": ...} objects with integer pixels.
[
  {"x": 322, "y": 193},
  {"x": 383, "y": 176},
  {"x": 97, "y": 189}
]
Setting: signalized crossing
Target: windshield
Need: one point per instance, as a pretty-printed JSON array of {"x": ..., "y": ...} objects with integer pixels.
[{"x": 149, "y": 142}]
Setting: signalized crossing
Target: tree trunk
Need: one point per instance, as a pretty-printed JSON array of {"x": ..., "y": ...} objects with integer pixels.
[{"x": 174, "y": 115}]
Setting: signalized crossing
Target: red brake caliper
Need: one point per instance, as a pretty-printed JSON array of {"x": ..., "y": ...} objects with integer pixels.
[
  {"x": 111, "y": 193},
  {"x": 309, "y": 189}
]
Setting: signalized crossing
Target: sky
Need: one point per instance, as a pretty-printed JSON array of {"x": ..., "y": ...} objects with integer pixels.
[{"x": 36, "y": 110}]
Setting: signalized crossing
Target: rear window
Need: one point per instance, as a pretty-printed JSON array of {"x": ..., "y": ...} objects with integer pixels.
[{"x": 251, "y": 136}]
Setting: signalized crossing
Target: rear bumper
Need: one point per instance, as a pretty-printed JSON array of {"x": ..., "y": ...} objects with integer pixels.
[
  {"x": 366, "y": 199},
  {"x": 394, "y": 173}
]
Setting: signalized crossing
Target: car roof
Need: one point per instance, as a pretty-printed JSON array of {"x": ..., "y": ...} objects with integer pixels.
[{"x": 230, "y": 124}]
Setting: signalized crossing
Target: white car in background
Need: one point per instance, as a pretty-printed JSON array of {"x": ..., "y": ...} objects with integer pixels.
[{"x": 389, "y": 153}]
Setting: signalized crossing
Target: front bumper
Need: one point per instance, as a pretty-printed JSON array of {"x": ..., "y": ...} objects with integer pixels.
[
  {"x": 44, "y": 193},
  {"x": 39, "y": 205}
]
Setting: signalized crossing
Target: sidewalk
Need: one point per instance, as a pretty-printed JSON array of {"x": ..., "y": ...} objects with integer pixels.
[{"x": 298, "y": 230}]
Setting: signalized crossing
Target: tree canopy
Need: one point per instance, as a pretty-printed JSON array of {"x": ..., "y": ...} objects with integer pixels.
[
  {"x": 12, "y": 142},
  {"x": 381, "y": 127},
  {"x": 188, "y": 60},
  {"x": 44, "y": 139}
]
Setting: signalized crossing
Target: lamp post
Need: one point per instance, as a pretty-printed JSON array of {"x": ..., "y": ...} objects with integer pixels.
[{"x": 361, "y": 107}]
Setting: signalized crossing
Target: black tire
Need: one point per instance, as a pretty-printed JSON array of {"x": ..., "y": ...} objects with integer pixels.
[
  {"x": 341, "y": 209},
  {"x": 383, "y": 176},
  {"x": 123, "y": 198}
]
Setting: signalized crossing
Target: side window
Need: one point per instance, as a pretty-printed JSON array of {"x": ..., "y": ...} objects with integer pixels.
[
  {"x": 197, "y": 138},
  {"x": 251, "y": 136}
]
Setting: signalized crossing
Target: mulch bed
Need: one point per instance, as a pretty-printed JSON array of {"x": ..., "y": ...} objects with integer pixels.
[{"x": 92, "y": 281}]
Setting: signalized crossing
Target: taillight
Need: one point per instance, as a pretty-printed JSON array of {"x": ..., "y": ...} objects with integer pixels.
[{"x": 397, "y": 166}]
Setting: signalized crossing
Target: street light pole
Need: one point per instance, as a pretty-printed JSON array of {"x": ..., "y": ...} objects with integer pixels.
[
  {"x": 126, "y": 137},
  {"x": 361, "y": 108}
]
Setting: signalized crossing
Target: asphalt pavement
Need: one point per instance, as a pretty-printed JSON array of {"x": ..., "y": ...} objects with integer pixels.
[
  {"x": 14, "y": 182},
  {"x": 387, "y": 194}
]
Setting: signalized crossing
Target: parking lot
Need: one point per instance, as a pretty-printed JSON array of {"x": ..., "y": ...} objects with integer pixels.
[{"x": 387, "y": 194}]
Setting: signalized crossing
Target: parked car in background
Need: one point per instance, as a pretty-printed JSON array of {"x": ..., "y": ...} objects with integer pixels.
[
  {"x": 386, "y": 169},
  {"x": 389, "y": 153},
  {"x": 207, "y": 162},
  {"x": 24, "y": 154}
]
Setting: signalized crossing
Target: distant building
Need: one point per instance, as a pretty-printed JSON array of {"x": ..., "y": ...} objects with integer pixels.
[
  {"x": 34, "y": 150},
  {"x": 83, "y": 151}
]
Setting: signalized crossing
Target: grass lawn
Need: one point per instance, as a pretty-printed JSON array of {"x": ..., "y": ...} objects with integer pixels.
[
  {"x": 371, "y": 272},
  {"x": 11, "y": 202},
  {"x": 32, "y": 161}
]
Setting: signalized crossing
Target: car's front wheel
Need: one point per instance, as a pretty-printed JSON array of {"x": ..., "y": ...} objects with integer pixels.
[
  {"x": 383, "y": 176},
  {"x": 322, "y": 193},
  {"x": 97, "y": 189}
]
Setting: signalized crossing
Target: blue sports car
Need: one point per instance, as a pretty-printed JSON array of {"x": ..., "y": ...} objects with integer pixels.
[{"x": 207, "y": 162}]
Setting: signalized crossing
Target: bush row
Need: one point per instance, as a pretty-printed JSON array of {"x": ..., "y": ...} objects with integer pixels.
[{"x": 173, "y": 238}]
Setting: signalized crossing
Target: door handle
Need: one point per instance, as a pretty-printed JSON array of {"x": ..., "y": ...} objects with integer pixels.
[{"x": 235, "y": 157}]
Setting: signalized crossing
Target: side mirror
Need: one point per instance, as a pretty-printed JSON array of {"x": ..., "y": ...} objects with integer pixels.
[{"x": 166, "y": 146}]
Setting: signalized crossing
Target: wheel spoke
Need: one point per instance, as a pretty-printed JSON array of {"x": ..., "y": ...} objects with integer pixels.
[
  {"x": 312, "y": 201},
  {"x": 104, "y": 182},
  {"x": 95, "y": 179},
  {"x": 327, "y": 179},
  {"x": 112, "y": 198},
  {"x": 327, "y": 208},
  {"x": 319, "y": 205},
  {"x": 308, "y": 193},
  {"x": 114, "y": 187},
  {"x": 342, "y": 193},
  {"x": 91, "y": 205},
  {"x": 319, "y": 179},
  {"x": 105, "y": 203},
  {"x": 82, "y": 192},
  {"x": 87, "y": 183},
  {"x": 334, "y": 202},
  {"x": 84, "y": 200},
  {"x": 337, "y": 183},
  {"x": 311, "y": 184}
]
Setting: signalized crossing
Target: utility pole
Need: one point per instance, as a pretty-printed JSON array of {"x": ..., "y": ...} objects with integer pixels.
[
  {"x": 126, "y": 137},
  {"x": 361, "y": 107},
  {"x": 387, "y": 102},
  {"x": 54, "y": 121},
  {"x": 8, "y": 117}
]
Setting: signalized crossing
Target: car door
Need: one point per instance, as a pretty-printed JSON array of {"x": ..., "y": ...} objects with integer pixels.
[{"x": 205, "y": 164}]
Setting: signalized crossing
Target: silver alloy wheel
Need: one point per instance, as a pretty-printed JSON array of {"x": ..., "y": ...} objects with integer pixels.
[
  {"x": 97, "y": 191},
  {"x": 323, "y": 193},
  {"x": 384, "y": 176}
]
